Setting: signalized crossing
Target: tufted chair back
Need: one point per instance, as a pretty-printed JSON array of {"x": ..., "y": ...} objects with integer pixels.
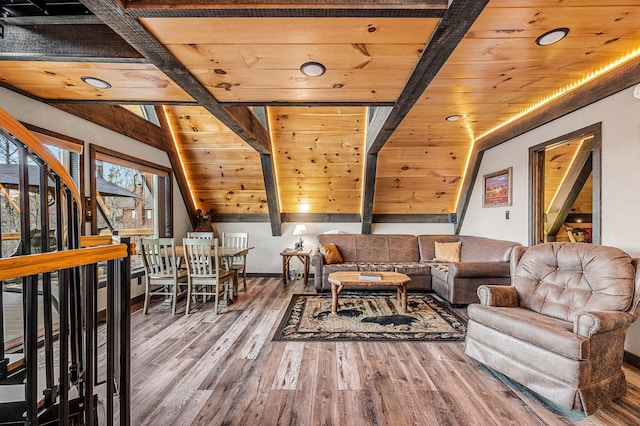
[{"x": 562, "y": 279}]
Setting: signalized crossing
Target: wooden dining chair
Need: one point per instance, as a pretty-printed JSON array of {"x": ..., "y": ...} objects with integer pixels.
[
  {"x": 163, "y": 277},
  {"x": 237, "y": 263},
  {"x": 205, "y": 276}
]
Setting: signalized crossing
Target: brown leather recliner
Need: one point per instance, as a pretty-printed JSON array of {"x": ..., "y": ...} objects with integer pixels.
[{"x": 559, "y": 329}]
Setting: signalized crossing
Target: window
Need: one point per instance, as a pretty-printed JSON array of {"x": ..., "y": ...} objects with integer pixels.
[{"x": 130, "y": 197}]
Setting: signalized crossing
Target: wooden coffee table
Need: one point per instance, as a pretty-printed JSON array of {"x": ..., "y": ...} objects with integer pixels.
[{"x": 339, "y": 280}]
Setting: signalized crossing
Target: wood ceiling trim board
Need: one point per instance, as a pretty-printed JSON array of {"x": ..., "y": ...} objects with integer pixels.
[
  {"x": 243, "y": 31},
  {"x": 342, "y": 56},
  {"x": 242, "y": 218},
  {"x": 335, "y": 171},
  {"x": 230, "y": 196},
  {"x": 452, "y": 28},
  {"x": 320, "y": 184},
  {"x": 534, "y": 20},
  {"x": 432, "y": 207},
  {"x": 234, "y": 184},
  {"x": 411, "y": 218},
  {"x": 311, "y": 97},
  {"x": 306, "y": 104},
  {"x": 67, "y": 43},
  {"x": 389, "y": 182},
  {"x": 240, "y": 120},
  {"x": 424, "y": 170},
  {"x": 321, "y": 217},
  {"x": 620, "y": 78}
]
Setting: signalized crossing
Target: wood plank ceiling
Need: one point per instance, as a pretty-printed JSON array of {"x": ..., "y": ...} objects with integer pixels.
[{"x": 316, "y": 151}]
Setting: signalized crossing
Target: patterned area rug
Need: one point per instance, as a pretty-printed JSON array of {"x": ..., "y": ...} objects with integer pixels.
[{"x": 372, "y": 317}]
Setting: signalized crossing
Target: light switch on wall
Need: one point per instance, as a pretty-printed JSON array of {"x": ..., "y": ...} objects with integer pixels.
[{"x": 506, "y": 214}]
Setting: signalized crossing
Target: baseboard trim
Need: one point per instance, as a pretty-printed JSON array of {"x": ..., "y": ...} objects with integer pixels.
[{"x": 631, "y": 359}]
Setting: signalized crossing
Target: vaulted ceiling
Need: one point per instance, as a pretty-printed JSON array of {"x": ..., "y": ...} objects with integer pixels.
[{"x": 254, "y": 138}]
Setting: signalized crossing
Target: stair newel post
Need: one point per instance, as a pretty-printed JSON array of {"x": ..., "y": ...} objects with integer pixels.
[
  {"x": 125, "y": 335},
  {"x": 31, "y": 347},
  {"x": 111, "y": 347},
  {"x": 89, "y": 373}
]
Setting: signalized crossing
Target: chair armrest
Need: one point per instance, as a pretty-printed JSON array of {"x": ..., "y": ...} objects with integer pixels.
[
  {"x": 498, "y": 295},
  {"x": 316, "y": 259},
  {"x": 587, "y": 324},
  {"x": 479, "y": 269}
]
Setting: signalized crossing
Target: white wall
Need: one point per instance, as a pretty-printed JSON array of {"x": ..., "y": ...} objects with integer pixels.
[{"x": 620, "y": 117}]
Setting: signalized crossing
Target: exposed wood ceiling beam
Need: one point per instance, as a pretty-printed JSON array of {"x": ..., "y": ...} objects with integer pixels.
[
  {"x": 618, "y": 79},
  {"x": 279, "y": 8},
  {"x": 270, "y": 187},
  {"x": 72, "y": 43},
  {"x": 51, "y": 20},
  {"x": 243, "y": 123},
  {"x": 122, "y": 121},
  {"x": 454, "y": 25}
]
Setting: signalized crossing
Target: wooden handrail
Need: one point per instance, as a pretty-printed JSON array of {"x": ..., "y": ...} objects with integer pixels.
[
  {"x": 14, "y": 127},
  {"x": 96, "y": 240},
  {"x": 32, "y": 264}
]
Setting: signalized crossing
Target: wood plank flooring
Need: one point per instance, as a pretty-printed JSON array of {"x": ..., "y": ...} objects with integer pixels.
[{"x": 225, "y": 370}]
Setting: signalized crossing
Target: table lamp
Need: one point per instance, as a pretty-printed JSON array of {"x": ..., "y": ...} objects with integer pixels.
[{"x": 300, "y": 230}]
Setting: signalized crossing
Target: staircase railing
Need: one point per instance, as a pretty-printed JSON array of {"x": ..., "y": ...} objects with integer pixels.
[{"x": 50, "y": 254}]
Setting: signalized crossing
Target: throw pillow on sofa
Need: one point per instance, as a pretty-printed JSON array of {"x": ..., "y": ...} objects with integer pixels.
[
  {"x": 330, "y": 253},
  {"x": 447, "y": 252}
]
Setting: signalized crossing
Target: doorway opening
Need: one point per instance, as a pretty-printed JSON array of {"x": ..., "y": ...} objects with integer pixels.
[{"x": 564, "y": 178}]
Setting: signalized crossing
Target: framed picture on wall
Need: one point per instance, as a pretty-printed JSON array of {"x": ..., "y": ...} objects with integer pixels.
[{"x": 497, "y": 189}]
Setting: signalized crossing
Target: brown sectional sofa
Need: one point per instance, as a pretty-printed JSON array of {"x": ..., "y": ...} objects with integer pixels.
[{"x": 482, "y": 261}]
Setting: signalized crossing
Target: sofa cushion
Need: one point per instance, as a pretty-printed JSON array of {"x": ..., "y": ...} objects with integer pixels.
[
  {"x": 561, "y": 280},
  {"x": 330, "y": 253},
  {"x": 473, "y": 249},
  {"x": 338, "y": 267},
  {"x": 378, "y": 267},
  {"x": 447, "y": 252},
  {"x": 548, "y": 333},
  {"x": 412, "y": 268},
  {"x": 403, "y": 248},
  {"x": 346, "y": 243}
]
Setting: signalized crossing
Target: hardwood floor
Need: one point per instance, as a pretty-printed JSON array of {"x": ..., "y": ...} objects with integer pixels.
[{"x": 213, "y": 370}]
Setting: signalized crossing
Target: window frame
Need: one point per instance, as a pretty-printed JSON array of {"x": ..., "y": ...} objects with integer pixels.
[{"x": 165, "y": 203}]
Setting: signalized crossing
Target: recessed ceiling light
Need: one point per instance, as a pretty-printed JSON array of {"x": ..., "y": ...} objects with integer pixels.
[
  {"x": 95, "y": 82},
  {"x": 552, "y": 36},
  {"x": 312, "y": 69},
  {"x": 454, "y": 117}
]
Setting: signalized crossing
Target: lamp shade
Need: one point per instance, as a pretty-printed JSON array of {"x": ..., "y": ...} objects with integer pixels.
[{"x": 300, "y": 230}]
